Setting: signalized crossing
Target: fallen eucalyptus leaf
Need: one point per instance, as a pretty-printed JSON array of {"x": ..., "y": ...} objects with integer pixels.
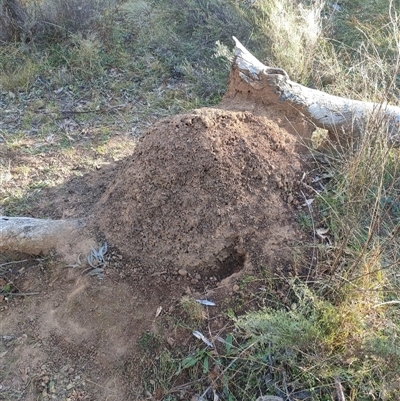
[
  {"x": 205, "y": 302},
  {"x": 95, "y": 272},
  {"x": 201, "y": 337},
  {"x": 269, "y": 398},
  {"x": 321, "y": 232}
]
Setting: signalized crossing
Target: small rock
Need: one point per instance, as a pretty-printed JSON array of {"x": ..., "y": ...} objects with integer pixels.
[
  {"x": 63, "y": 369},
  {"x": 22, "y": 339},
  {"x": 70, "y": 385},
  {"x": 235, "y": 288},
  {"x": 188, "y": 291},
  {"x": 197, "y": 276},
  {"x": 183, "y": 272}
]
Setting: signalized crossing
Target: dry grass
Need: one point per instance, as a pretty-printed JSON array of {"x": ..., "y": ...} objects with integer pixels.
[{"x": 289, "y": 35}]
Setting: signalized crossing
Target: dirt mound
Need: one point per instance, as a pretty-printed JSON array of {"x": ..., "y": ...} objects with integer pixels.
[{"x": 208, "y": 192}]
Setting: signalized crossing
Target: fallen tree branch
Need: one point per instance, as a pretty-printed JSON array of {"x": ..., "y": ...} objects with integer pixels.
[
  {"x": 340, "y": 116},
  {"x": 36, "y": 236}
]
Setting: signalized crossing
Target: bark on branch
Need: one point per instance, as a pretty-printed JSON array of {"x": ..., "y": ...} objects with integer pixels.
[
  {"x": 36, "y": 236},
  {"x": 338, "y": 115}
]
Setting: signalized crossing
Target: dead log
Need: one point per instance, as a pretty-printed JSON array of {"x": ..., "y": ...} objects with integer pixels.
[
  {"x": 37, "y": 236},
  {"x": 342, "y": 117}
]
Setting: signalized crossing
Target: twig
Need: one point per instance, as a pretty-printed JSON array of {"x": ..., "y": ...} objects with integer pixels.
[
  {"x": 339, "y": 390},
  {"x": 285, "y": 385},
  {"x": 10, "y": 263},
  {"x": 20, "y": 294},
  {"x": 386, "y": 303},
  {"x": 314, "y": 237},
  {"x": 101, "y": 110},
  {"x": 99, "y": 385},
  {"x": 183, "y": 386}
]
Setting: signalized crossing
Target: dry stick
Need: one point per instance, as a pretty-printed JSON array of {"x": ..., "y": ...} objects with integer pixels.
[
  {"x": 10, "y": 263},
  {"x": 339, "y": 390},
  {"x": 99, "y": 385},
  {"x": 336, "y": 261},
  {"x": 284, "y": 384},
  {"x": 386, "y": 303},
  {"x": 183, "y": 386},
  {"x": 20, "y": 294},
  {"x": 101, "y": 110},
  {"x": 314, "y": 237},
  {"x": 42, "y": 259}
]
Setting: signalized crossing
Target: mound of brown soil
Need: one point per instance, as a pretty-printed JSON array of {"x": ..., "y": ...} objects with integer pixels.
[{"x": 207, "y": 192}]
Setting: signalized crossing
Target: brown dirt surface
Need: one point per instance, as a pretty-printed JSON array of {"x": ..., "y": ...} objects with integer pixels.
[{"x": 205, "y": 199}]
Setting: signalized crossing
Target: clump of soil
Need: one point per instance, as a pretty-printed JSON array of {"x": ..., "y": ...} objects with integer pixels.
[{"x": 210, "y": 192}]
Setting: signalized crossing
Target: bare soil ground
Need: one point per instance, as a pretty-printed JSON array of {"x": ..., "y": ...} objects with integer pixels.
[{"x": 205, "y": 199}]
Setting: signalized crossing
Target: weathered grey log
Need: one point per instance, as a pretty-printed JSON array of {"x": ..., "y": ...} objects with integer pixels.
[
  {"x": 340, "y": 116},
  {"x": 36, "y": 236}
]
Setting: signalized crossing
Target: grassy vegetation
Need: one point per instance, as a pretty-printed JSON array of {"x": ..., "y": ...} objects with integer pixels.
[{"x": 135, "y": 61}]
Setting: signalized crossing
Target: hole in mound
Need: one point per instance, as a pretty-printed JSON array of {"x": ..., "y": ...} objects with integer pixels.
[{"x": 230, "y": 260}]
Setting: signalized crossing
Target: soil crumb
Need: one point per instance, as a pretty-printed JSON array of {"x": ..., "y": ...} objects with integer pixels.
[{"x": 209, "y": 191}]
